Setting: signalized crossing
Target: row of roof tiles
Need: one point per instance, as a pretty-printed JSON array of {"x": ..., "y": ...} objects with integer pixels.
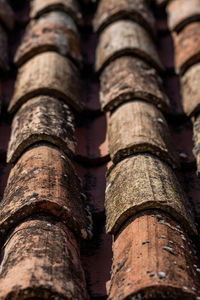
[
  {"x": 183, "y": 20},
  {"x": 141, "y": 177},
  {"x": 43, "y": 216}
]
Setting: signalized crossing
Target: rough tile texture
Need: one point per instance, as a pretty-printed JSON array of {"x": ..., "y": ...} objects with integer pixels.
[
  {"x": 44, "y": 180},
  {"x": 169, "y": 274},
  {"x": 111, "y": 10},
  {"x": 189, "y": 40},
  {"x": 50, "y": 74},
  {"x": 125, "y": 37},
  {"x": 182, "y": 12},
  {"x": 160, "y": 190},
  {"x": 137, "y": 127},
  {"x": 190, "y": 83},
  {"x": 40, "y": 259},
  {"x": 71, "y": 7},
  {"x": 41, "y": 119},
  {"x": 128, "y": 78},
  {"x": 6, "y": 14},
  {"x": 54, "y": 31},
  {"x": 196, "y": 138}
]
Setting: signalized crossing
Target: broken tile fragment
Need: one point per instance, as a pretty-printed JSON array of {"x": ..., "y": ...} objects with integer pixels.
[
  {"x": 125, "y": 37},
  {"x": 40, "y": 119},
  {"x": 54, "y": 31},
  {"x": 50, "y": 74},
  {"x": 189, "y": 40},
  {"x": 70, "y": 7},
  {"x": 137, "y": 127},
  {"x": 111, "y": 10},
  {"x": 6, "y": 14},
  {"x": 182, "y": 12},
  {"x": 127, "y": 78},
  {"x": 144, "y": 182},
  {"x": 41, "y": 258},
  {"x": 44, "y": 180},
  {"x": 190, "y": 83},
  {"x": 168, "y": 275}
]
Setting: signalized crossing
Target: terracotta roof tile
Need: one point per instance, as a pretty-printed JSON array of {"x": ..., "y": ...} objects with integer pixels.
[
  {"x": 148, "y": 132},
  {"x": 182, "y": 12},
  {"x": 111, "y": 10},
  {"x": 128, "y": 78},
  {"x": 71, "y": 7},
  {"x": 125, "y": 37},
  {"x": 187, "y": 39},
  {"x": 54, "y": 31},
  {"x": 144, "y": 182},
  {"x": 50, "y": 74},
  {"x": 41, "y": 259},
  {"x": 4, "y": 66},
  {"x": 6, "y": 14},
  {"x": 153, "y": 259},
  {"x": 44, "y": 180},
  {"x": 190, "y": 90},
  {"x": 42, "y": 119}
]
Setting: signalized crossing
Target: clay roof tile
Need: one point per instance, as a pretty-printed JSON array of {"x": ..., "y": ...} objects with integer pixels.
[
  {"x": 70, "y": 7},
  {"x": 47, "y": 73},
  {"x": 54, "y": 31},
  {"x": 44, "y": 180},
  {"x": 111, "y": 10},
  {"x": 41, "y": 259},
  {"x": 42, "y": 119},
  {"x": 144, "y": 182},
  {"x": 153, "y": 259},
  {"x": 125, "y": 37},
  {"x": 128, "y": 78},
  {"x": 137, "y": 127},
  {"x": 182, "y": 12}
]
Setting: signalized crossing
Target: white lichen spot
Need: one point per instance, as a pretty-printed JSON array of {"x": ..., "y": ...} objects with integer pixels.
[
  {"x": 160, "y": 120},
  {"x": 161, "y": 275}
]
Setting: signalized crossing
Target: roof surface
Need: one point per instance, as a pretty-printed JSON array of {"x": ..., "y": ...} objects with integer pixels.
[{"x": 99, "y": 149}]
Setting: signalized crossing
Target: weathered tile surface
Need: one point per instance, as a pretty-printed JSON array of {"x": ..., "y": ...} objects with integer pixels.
[
  {"x": 6, "y": 14},
  {"x": 196, "y": 138},
  {"x": 187, "y": 47},
  {"x": 137, "y": 127},
  {"x": 153, "y": 259},
  {"x": 144, "y": 182},
  {"x": 71, "y": 7},
  {"x": 190, "y": 83},
  {"x": 41, "y": 259},
  {"x": 182, "y": 12},
  {"x": 50, "y": 74},
  {"x": 125, "y": 37},
  {"x": 128, "y": 78},
  {"x": 54, "y": 31},
  {"x": 44, "y": 180},
  {"x": 111, "y": 10},
  {"x": 42, "y": 119}
]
